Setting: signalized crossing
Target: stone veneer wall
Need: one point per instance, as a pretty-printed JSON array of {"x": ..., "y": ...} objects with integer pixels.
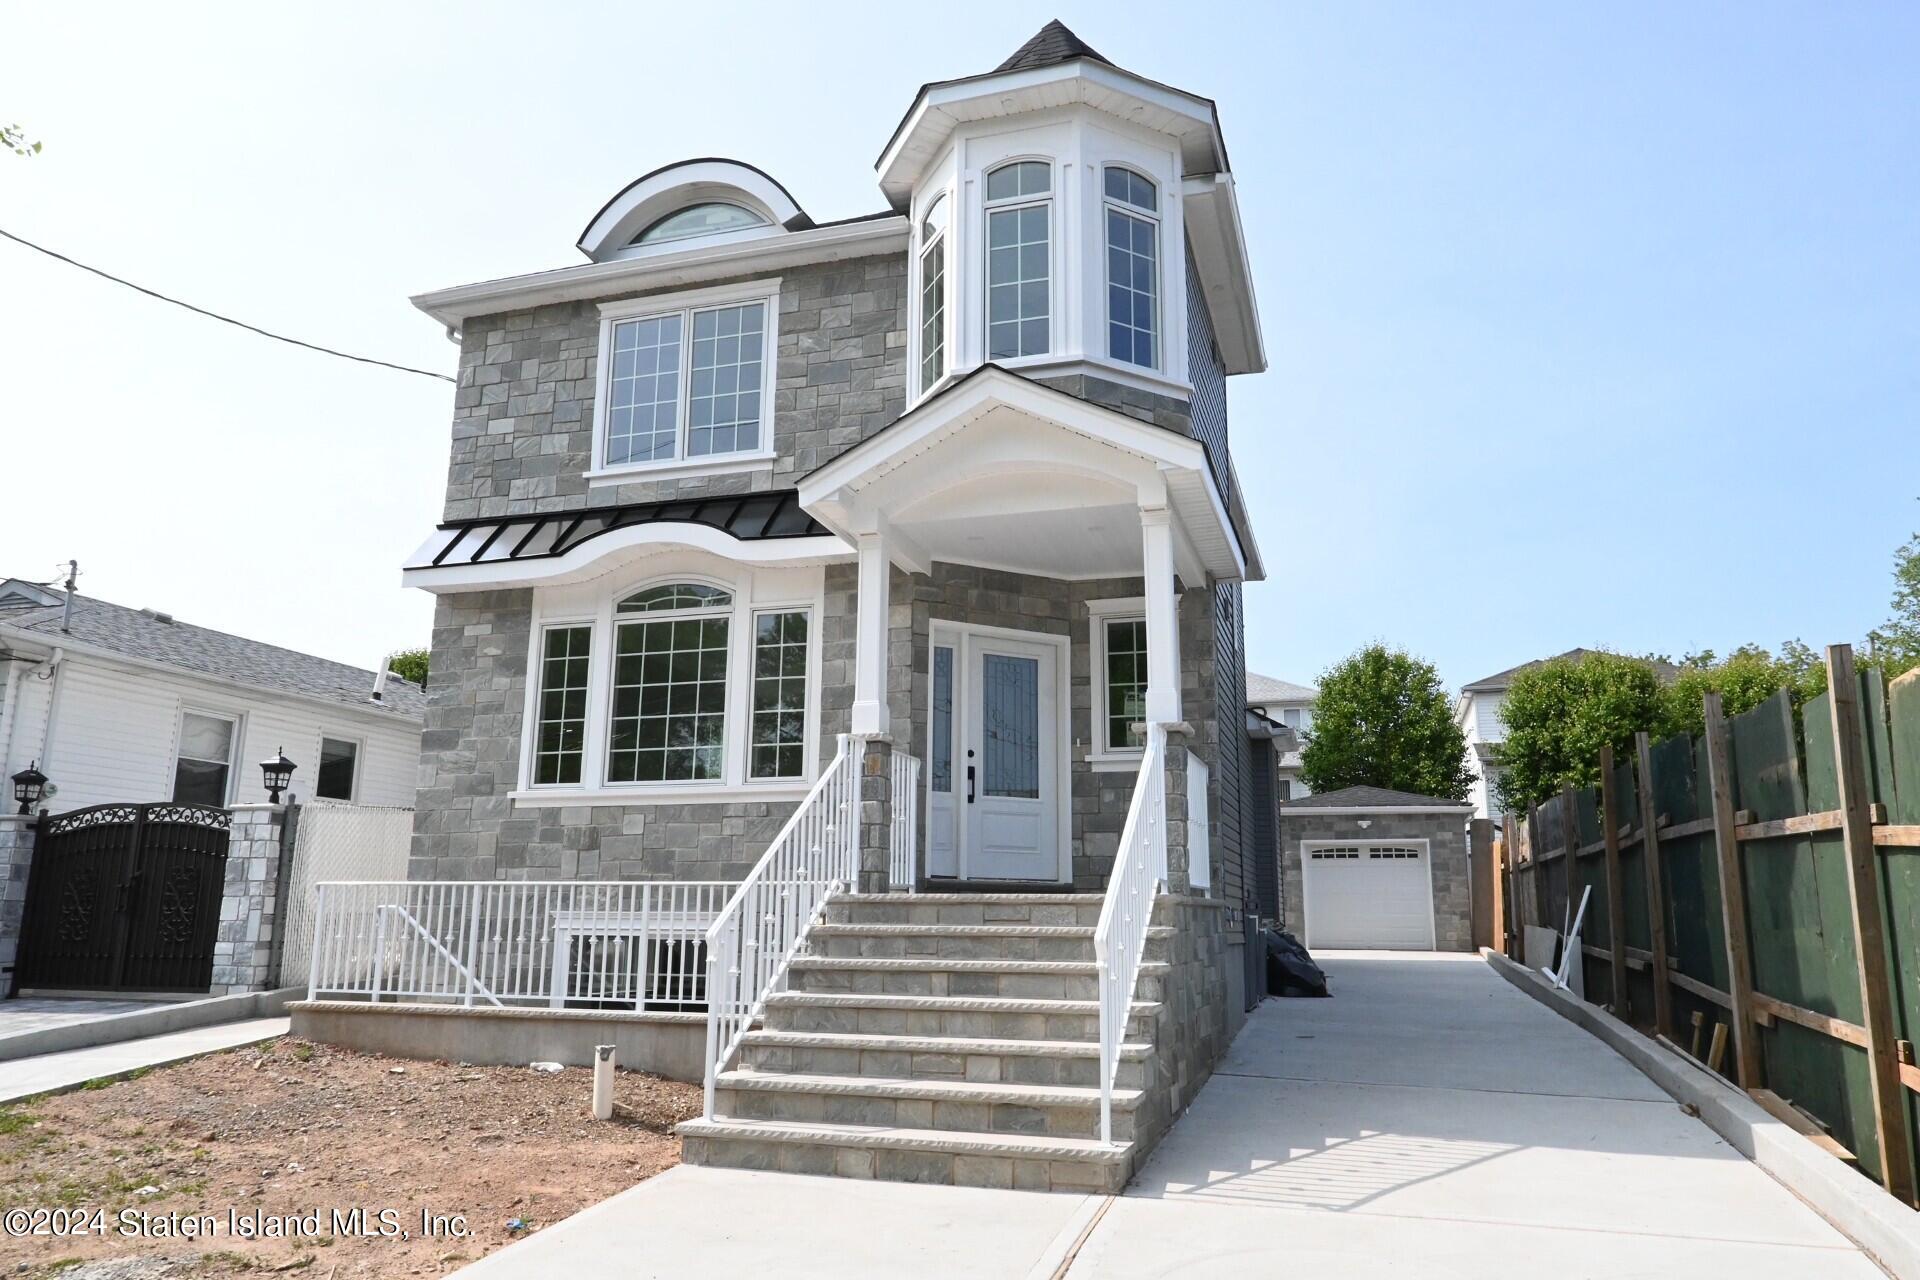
[
  {"x": 1194, "y": 1025},
  {"x": 250, "y": 905},
  {"x": 16, "y": 861},
  {"x": 523, "y": 408},
  {"x": 1446, "y": 851}
]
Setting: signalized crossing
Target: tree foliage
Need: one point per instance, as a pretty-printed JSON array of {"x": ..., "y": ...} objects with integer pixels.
[
  {"x": 1895, "y": 647},
  {"x": 1746, "y": 678},
  {"x": 13, "y": 138},
  {"x": 410, "y": 664},
  {"x": 1382, "y": 720},
  {"x": 1560, "y": 713}
]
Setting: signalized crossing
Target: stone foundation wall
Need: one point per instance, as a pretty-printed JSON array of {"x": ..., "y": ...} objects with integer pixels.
[
  {"x": 250, "y": 905},
  {"x": 1194, "y": 1025}
]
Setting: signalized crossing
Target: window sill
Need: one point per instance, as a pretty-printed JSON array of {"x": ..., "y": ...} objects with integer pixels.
[
  {"x": 675, "y": 793},
  {"x": 729, "y": 464},
  {"x": 1115, "y": 761}
]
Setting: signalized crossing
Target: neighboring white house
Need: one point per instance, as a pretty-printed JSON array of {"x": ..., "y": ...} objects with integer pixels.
[
  {"x": 120, "y": 705},
  {"x": 1289, "y": 704}
]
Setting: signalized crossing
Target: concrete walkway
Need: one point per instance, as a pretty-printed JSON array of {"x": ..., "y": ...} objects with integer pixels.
[
  {"x": 1429, "y": 1112},
  {"x": 24, "y": 1077},
  {"x": 1427, "y": 1121}
]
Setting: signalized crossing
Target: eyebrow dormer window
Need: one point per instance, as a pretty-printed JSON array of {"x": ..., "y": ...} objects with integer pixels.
[
  {"x": 933, "y": 293},
  {"x": 700, "y": 220},
  {"x": 1132, "y": 208},
  {"x": 1019, "y": 233}
]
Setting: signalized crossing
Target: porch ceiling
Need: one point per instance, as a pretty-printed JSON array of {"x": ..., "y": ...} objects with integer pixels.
[{"x": 1001, "y": 471}]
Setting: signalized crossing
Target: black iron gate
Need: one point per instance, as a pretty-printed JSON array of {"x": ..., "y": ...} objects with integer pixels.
[{"x": 124, "y": 897}]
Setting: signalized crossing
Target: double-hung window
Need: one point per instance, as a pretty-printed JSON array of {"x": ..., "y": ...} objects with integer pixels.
[
  {"x": 1019, "y": 209},
  {"x": 933, "y": 293},
  {"x": 778, "y": 746},
  {"x": 688, "y": 380},
  {"x": 1119, "y": 644},
  {"x": 1132, "y": 213},
  {"x": 339, "y": 769},
  {"x": 203, "y": 764},
  {"x": 560, "y": 730}
]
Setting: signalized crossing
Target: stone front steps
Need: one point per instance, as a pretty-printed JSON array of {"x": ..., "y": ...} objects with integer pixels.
[{"x": 940, "y": 1038}]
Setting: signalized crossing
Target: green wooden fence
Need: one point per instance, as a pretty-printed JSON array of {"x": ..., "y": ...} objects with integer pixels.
[{"x": 1782, "y": 872}]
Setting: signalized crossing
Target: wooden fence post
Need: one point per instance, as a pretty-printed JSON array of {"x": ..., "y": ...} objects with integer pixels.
[
  {"x": 1869, "y": 925},
  {"x": 1502, "y": 885},
  {"x": 1733, "y": 895},
  {"x": 1616, "y": 898},
  {"x": 1656, "y": 888}
]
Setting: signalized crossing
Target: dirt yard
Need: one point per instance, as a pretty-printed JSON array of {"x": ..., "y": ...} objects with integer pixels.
[{"x": 442, "y": 1160}]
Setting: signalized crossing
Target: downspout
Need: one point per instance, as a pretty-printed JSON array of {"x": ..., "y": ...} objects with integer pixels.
[{"x": 59, "y": 664}]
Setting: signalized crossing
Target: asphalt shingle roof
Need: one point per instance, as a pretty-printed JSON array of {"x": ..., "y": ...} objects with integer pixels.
[
  {"x": 1264, "y": 689},
  {"x": 1050, "y": 45},
  {"x": 1368, "y": 798},
  {"x": 1501, "y": 679},
  {"x": 142, "y": 633}
]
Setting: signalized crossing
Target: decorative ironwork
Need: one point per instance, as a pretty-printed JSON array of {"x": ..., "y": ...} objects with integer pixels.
[
  {"x": 774, "y": 513},
  {"x": 179, "y": 905},
  {"x": 100, "y": 815},
  {"x": 79, "y": 899},
  {"x": 192, "y": 815}
]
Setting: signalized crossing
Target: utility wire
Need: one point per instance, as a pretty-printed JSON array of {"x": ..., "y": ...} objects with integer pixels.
[{"x": 215, "y": 315}]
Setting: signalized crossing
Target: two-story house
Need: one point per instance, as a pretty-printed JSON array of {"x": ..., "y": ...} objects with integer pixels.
[{"x": 940, "y": 497}]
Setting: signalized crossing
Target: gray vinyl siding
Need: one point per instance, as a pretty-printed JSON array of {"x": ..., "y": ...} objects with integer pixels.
[{"x": 1208, "y": 375}]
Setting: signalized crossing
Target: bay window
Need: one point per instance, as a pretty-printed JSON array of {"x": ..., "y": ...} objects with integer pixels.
[
  {"x": 933, "y": 293},
  {"x": 779, "y": 695},
  {"x": 561, "y": 729},
  {"x": 684, "y": 379}
]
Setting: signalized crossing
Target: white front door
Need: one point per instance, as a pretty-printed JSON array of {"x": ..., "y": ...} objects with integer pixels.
[{"x": 1009, "y": 765}]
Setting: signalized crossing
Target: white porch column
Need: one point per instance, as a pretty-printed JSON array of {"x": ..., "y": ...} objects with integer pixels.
[
  {"x": 870, "y": 636},
  {"x": 1163, "y": 617}
]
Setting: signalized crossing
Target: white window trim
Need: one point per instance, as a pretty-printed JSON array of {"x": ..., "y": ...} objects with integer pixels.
[
  {"x": 1104, "y": 349},
  {"x": 1055, "y": 237},
  {"x": 612, "y": 313},
  {"x": 1100, "y": 757},
  {"x": 945, "y": 239},
  {"x": 734, "y": 782},
  {"x": 235, "y": 747},
  {"x": 359, "y": 745}
]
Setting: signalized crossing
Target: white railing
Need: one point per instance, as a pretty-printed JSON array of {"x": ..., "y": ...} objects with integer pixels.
[
  {"x": 1120, "y": 939},
  {"x": 766, "y": 920},
  {"x": 592, "y": 944},
  {"x": 905, "y": 829}
]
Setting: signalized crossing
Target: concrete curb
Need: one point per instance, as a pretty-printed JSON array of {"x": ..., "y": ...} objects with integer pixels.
[
  {"x": 1855, "y": 1205},
  {"x": 141, "y": 1023}
]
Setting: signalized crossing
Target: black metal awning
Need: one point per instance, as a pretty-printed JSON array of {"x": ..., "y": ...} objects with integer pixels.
[{"x": 769, "y": 513}]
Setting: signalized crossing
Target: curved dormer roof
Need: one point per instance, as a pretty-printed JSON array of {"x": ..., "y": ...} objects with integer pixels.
[{"x": 649, "y": 199}]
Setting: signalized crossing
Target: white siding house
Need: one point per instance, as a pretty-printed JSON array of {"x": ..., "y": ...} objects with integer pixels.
[{"x": 127, "y": 705}]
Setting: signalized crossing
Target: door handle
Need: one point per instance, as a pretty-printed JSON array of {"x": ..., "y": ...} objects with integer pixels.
[{"x": 969, "y": 784}]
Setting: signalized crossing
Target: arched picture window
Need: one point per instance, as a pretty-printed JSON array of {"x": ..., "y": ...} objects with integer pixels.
[
  {"x": 1132, "y": 209},
  {"x": 708, "y": 219},
  {"x": 1019, "y": 236},
  {"x": 933, "y": 292},
  {"x": 669, "y": 715}
]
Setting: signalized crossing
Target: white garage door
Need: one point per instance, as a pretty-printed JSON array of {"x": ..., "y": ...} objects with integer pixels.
[{"x": 1368, "y": 895}]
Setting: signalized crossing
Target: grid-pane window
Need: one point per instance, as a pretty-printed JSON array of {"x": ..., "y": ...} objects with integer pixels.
[
  {"x": 1132, "y": 268},
  {"x": 204, "y": 762},
  {"x": 676, "y": 595},
  {"x": 1126, "y": 678},
  {"x": 933, "y": 313},
  {"x": 779, "y": 696},
  {"x": 339, "y": 760},
  {"x": 723, "y": 406},
  {"x": 669, "y": 701},
  {"x": 561, "y": 730},
  {"x": 1017, "y": 306},
  {"x": 644, "y": 393}
]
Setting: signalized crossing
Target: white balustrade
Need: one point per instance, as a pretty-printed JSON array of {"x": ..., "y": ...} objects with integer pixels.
[{"x": 1120, "y": 938}]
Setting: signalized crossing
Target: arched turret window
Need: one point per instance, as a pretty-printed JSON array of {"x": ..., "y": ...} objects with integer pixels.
[
  {"x": 708, "y": 219},
  {"x": 1132, "y": 213}
]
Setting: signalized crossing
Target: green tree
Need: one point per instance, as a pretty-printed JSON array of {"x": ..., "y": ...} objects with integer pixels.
[
  {"x": 1895, "y": 647},
  {"x": 1382, "y": 720},
  {"x": 1748, "y": 677},
  {"x": 1559, "y": 714},
  {"x": 410, "y": 664}
]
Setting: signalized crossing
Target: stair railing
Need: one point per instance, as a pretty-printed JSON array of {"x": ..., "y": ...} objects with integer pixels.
[
  {"x": 765, "y": 922},
  {"x": 1120, "y": 939}
]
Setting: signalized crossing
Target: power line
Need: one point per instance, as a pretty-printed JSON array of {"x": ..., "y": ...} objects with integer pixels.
[{"x": 215, "y": 315}]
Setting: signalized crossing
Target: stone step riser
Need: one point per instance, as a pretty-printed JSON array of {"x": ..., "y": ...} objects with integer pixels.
[
  {"x": 934, "y": 1022},
  {"x": 930, "y": 910},
  {"x": 907, "y": 1166},
  {"x": 1050, "y": 1121},
  {"x": 963, "y": 982},
  {"x": 1081, "y": 1071},
  {"x": 1073, "y": 950}
]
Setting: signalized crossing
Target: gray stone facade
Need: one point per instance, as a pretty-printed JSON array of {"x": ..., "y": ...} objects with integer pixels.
[
  {"x": 250, "y": 906},
  {"x": 16, "y": 861},
  {"x": 1446, "y": 834}
]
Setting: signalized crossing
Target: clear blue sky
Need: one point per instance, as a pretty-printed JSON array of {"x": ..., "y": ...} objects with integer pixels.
[{"x": 1590, "y": 324}]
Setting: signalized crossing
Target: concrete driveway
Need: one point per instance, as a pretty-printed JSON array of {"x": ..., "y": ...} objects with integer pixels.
[
  {"x": 1428, "y": 1122},
  {"x": 1432, "y": 1121}
]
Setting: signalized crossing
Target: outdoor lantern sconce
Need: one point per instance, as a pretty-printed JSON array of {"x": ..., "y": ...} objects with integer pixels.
[
  {"x": 278, "y": 772},
  {"x": 28, "y": 786}
]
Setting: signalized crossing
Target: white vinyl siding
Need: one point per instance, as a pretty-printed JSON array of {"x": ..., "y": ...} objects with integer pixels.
[{"x": 115, "y": 737}]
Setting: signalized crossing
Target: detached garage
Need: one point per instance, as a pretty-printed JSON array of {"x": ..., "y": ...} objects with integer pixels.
[{"x": 1365, "y": 867}]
